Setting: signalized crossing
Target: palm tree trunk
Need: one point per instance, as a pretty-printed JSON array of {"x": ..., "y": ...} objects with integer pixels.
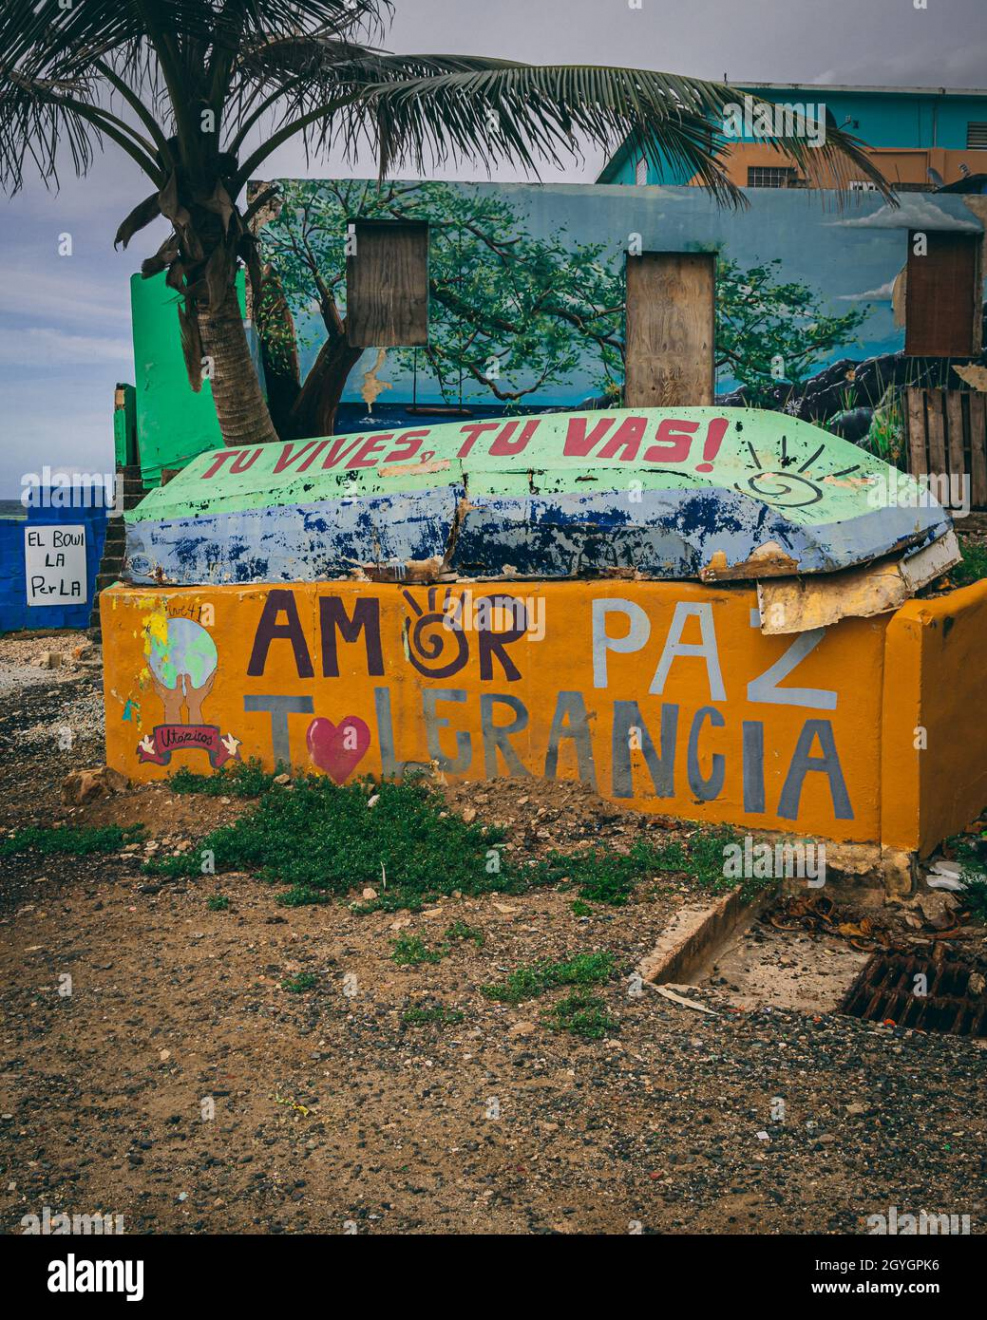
[{"x": 240, "y": 406}]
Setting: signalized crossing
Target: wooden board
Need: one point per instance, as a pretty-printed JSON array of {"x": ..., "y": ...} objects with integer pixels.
[
  {"x": 978, "y": 450},
  {"x": 670, "y": 329},
  {"x": 937, "y": 439},
  {"x": 387, "y": 285},
  {"x": 954, "y": 423},
  {"x": 916, "y": 432},
  {"x": 940, "y": 295}
]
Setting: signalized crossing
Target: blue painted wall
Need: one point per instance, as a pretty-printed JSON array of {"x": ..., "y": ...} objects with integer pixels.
[
  {"x": 850, "y": 257},
  {"x": 15, "y": 613}
]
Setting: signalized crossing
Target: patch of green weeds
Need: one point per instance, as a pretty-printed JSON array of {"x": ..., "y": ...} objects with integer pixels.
[
  {"x": 298, "y": 985},
  {"x": 235, "y": 779},
  {"x": 972, "y": 567},
  {"x": 581, "y": 909},
  {"x": 459, "y": 932},
  {"x": 410, "y": 951},
  {"x": 583, "y": 1014},
  {"x": 970, "y": 850},
  {"x": 531, "y": 981},
  {"x": 79, "y": 840},
  {"x": 323, "y": 840},
  {"x": 440, "y": 1016},
  {"x": 217, "y": 902},
  {"x": 603, "y": 876}
]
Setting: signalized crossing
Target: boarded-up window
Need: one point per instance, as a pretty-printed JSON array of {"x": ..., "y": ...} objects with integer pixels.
[
  {"x": 940, "y": 294},
  {"x": 387, "y": 284},
  {"x": 670, "y": 329},
  {"x": 976, "y": 135}
]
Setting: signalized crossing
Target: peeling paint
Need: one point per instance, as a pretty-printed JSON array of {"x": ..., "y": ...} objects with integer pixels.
[{"x": 768, "y": 496}]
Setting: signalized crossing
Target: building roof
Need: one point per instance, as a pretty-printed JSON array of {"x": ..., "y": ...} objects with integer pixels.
[{"x": 860, "y": 91}]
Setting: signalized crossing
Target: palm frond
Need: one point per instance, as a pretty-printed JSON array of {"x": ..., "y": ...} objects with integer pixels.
[{"x": 420, "y": 110}]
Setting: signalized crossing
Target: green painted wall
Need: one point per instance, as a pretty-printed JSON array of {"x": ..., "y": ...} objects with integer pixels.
[{"x": 173, "y": 423}]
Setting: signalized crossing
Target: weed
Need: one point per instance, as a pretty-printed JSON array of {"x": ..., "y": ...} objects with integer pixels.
[
  {"x": 409, "y": 951},
  {"x": 441, "y": 1016},
  {"x": 217, "y": 902},
  {"x": 459, "y": 931},
  {"x": 581, "y": 909},
  {"x": 971, "y": 853},
  {"x": 972, "y": 567},
  {"x": 425, "y": 855},
  {"x": 77, "y": 839},
  {"x": 532, "y": 981},
  {"x": 297, "y": 985},
  {"x": 238, "y": 779},
  {"x": 320, "y": 840},
  {"x": 603, "y": 876},
  {"x": 583, "y": 1014}
]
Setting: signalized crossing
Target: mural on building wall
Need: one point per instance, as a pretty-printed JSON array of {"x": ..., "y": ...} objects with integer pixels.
[
  {"x": 527, "y": 301},
  {"x": 181, "y": 667},
  {"x": 667, "y": 698}
]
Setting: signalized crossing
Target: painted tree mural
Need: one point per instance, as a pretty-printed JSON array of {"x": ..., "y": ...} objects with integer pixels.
[
  {"x": 772, "y": 333},
  {"x": 509, "y": 313},
  {"x": 512, "y": 316}
]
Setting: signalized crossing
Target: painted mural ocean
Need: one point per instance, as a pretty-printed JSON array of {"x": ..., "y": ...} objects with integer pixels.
[{"x": 691, "y": 493}]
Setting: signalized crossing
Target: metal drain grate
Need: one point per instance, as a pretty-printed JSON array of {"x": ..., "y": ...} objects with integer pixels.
[{"x": 887, "y": 989}]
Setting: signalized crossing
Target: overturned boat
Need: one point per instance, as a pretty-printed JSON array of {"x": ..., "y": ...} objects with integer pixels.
[{"x": 714, "y": 494}]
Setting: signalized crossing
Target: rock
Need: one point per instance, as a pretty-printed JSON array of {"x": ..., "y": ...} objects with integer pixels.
[
  {"x": 469, "y": 814},
  {"x": 369, "y": 893},
  {"x": 522, "y": 1029},
  {"x": 87, "y": 785},
  {"x": 49, "y": 660},
  {"x": 937, "y": 908},
  {"x": 282, "y": 779},
  {"x": 975, "y": 985}
]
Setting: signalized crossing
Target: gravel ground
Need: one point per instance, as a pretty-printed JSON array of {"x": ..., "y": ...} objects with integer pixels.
[{"x": 180, "y": 1085}]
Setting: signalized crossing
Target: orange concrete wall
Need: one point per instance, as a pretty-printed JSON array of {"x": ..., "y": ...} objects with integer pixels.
[
  {"x": 354, "y": 678},
  {"x": 898, "y": 164},
  {"x": 934, "y": 752}
]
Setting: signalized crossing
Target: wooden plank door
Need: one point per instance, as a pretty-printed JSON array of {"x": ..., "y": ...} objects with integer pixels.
[{"x": 670, "y": 329}]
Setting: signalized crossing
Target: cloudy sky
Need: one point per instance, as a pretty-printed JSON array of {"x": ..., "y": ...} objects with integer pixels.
[{"x": 64, "y": 319}]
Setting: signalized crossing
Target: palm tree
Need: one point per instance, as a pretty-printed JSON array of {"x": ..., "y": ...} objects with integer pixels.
[{"x": 200, "y": 93}]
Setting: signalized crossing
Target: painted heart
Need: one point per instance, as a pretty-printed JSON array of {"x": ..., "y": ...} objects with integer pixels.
[{"x": 337, "y": 748}]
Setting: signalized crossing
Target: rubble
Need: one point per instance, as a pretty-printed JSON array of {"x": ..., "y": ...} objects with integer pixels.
[{"x": 83, "y": 786}]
